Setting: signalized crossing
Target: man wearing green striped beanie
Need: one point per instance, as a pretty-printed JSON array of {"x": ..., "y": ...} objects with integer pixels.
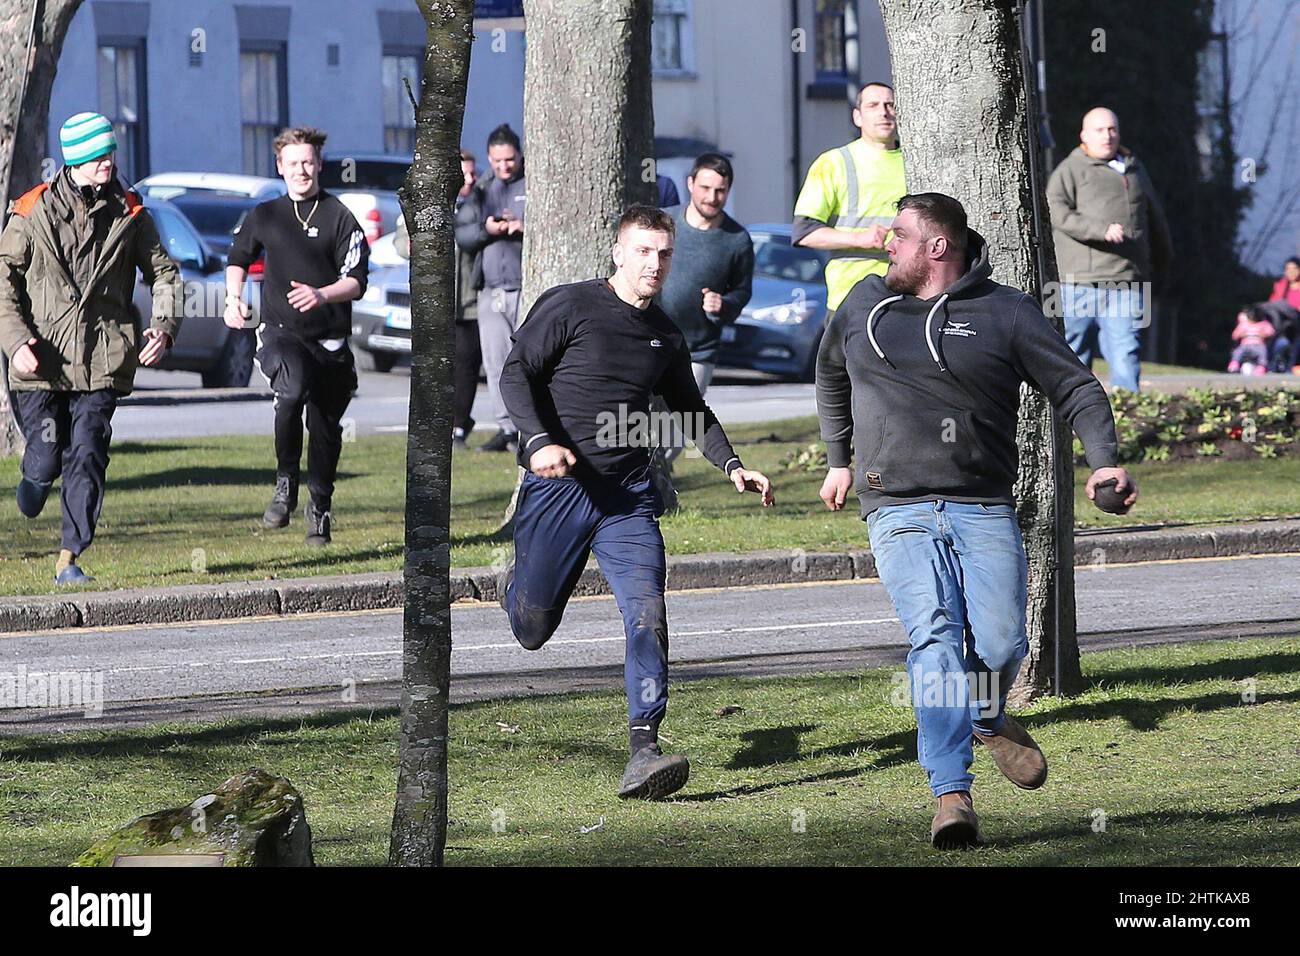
[{"x": 68, "y": 260}]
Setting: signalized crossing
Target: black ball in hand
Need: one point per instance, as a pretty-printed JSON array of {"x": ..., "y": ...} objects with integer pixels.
[{"x": 1108, "y": 499}]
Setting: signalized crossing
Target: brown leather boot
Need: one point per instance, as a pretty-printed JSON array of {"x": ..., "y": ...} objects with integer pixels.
[
  {"x": 1016, "y": 755},
  {"x": 955, "y": 825}
]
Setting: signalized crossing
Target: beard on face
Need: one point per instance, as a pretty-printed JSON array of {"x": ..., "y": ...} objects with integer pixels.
[{"x": 905, "y": 279}]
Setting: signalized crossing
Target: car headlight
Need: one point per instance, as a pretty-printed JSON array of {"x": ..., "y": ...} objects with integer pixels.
[
  {"x": 787, "y": 313},
  {"x": 373, "y": 293}
]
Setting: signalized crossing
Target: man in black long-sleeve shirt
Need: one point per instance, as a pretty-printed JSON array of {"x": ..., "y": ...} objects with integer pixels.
[
  {"x": 577, "y": 384},
  {"x": 920, "y": 372}
]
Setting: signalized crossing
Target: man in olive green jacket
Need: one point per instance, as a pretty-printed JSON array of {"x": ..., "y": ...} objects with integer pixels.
[
  {"x": 1112, "y": 241},
  {"x": 68, "y": 258}
]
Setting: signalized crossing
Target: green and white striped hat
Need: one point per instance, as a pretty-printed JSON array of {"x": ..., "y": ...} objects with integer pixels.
[{"x": 86, "y": 136}]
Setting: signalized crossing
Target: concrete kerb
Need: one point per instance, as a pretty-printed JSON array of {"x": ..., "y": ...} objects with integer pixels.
[{"x": 384, "y": 590}]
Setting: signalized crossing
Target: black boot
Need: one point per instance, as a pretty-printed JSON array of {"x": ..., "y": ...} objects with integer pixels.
[
  {"x": 649, "y": 774},
  {"x": 501, "y": 441},
  {"x": 283, "y": 502},
  {"x": 317, "y": 516}
]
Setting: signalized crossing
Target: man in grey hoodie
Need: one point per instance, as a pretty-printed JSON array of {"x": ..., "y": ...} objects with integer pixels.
[
  {"x": 1111, "y": 241},
  {"x": 920, "y": 371}
]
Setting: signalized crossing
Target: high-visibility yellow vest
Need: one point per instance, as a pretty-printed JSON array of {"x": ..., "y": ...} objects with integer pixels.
[{"x": 853, "y": 187}]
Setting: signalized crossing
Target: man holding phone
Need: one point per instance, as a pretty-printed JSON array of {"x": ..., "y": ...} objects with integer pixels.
[{"x": 316, "y": 262}]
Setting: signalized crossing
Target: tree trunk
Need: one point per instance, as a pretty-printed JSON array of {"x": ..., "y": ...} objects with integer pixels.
[
  {"x": 428, "y": 203},
  {"x": 589, "y": 136},
  {"x": 968, "y": 137},
  {"x": 25, "y": 84}
]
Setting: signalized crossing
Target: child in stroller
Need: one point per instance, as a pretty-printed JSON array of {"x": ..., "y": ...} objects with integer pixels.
[{"x": 1251, "y": 335}]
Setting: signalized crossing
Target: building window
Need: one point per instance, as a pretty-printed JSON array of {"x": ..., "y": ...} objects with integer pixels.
[
  {"x": 1212, "y": 107},
  {"x": 399, "y": 116},
  {"x": 836, "y": 28},
  {"x": 331, "y": 54},
  {"x": 670, "y": 37},
  {"x": 263, "y": 106},
  {"x": 122, "y": 99}
]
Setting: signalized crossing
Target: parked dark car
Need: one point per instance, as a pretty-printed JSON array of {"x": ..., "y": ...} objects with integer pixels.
[
  {"x": 221, "y": 355},
  {"x": 215, "y": 215},
  {"x": 779, "y": 330}
]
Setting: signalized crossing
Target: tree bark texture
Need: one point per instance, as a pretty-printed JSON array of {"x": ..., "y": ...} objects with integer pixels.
[
  {"x": 962, "y": 124},
  {"x": 428, "y": 203}
]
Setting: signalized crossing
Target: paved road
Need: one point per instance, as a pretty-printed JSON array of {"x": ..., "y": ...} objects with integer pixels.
[
  {"x": 381, "y": 406},
  {"x": 296, "y": 665},
  {"x": 381, "y": 403}
]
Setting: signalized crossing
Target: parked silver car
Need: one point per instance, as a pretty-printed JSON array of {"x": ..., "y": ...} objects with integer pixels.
[
  {"x": 381, "y": 318},
  {"x": 221, "y": 355}
]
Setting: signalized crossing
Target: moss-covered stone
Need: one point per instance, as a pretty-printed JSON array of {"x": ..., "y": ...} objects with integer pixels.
[{"x": 254, "y": 818}]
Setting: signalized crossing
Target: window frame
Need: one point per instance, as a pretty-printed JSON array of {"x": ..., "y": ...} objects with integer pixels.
[
  {"x": 280, "y": 49},
  {"x": 396, "y": 52},
  {"x": 685, "y": 39},
  {"x": 836, "y": 85},
  {"x": 139, "y": 130}
]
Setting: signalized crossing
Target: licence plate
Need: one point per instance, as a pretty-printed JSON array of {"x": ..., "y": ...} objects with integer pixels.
[{"x": 398, "y": 319}]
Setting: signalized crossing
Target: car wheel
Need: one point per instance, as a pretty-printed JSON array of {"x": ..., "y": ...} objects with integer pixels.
[
  {"x": 234, "y": 366},
  {"x": 368, "y": 361}
]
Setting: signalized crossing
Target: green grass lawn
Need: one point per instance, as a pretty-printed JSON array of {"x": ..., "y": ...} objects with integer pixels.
[
  {"x": 175, "y": 508},
  {"x": 1160, "y": 755},
  {"x": 1101, "y": 368}
]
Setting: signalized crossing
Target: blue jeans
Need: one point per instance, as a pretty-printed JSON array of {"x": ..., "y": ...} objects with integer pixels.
[
  {"x": 1109, "y": 317},
  {"x": 956, "y": 574},
  {"x": 559, "y": 522}
]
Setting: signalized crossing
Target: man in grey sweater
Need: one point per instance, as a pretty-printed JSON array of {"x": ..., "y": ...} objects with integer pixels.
[
  {"x": 713, "y": 270},
  {"x": 1111, "y": 240}
]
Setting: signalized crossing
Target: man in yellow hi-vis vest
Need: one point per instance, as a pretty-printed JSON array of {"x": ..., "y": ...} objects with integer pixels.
[{"x": 851, "y": 195}]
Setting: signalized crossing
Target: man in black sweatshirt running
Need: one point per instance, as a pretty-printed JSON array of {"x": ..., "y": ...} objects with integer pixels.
[
  {"x": 316, "y": 264},
  {"x": 920, "y": 372},
  {"x": 577, "y": 384}
]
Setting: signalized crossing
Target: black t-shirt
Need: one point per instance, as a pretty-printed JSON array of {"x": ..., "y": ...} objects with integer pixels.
[
  {"x": 582, "y": 370},
  {"x": 331, "y": 247}
]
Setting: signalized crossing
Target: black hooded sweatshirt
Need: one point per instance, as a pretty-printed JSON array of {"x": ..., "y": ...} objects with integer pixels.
[{"x": 928, "y": 390}]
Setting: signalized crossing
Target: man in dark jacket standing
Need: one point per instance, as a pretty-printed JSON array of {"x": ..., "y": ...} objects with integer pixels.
[
  {"x": 920, "y": 371},
  {"x": 68, "y": 259},
  {"x": 469, "y": 279},
  {"x": 1111, "y": 240}
]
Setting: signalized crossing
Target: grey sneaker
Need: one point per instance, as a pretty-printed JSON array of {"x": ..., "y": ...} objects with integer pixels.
[{"x": 652, "y": 776}]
